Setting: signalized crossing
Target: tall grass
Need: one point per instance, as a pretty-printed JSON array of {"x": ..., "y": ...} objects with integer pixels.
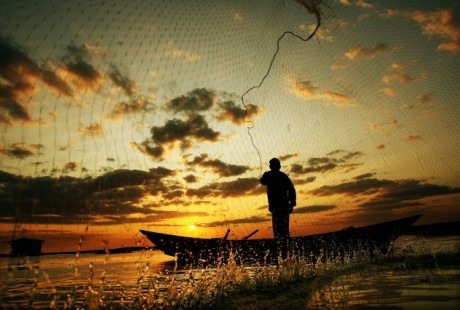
[{"x": 213, "y": 286}]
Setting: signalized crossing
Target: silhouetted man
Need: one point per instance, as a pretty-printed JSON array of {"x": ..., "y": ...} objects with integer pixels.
[{"x": 281, "y": 198}]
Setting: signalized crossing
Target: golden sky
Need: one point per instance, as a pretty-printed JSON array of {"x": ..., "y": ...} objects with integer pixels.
[{"x": 128, "y": 116}]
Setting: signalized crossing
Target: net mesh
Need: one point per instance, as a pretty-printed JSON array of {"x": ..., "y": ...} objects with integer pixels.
[{"x": 121, "y": 115}]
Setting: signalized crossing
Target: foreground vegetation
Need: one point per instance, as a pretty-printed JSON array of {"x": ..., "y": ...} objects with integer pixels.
[{"x": 289, "y": 283}]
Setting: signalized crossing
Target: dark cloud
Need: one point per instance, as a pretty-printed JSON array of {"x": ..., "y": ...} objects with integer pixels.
[
  {"x": 185, "y": 132},
  {"x": 199, "y": 99},
  {"x": 237, "y": 114},
  {"x": 249, "y": 220},
  {"x": 387, "y": 193},
  {"x": 334, "y": 160},
  {"x": 135, "y": 105},
  {"x": 304, "y": 181},
  {"x": 122, "y": 81},
  {"x": 177, "y": 130},
  {"x": 364, "y": 176},
  {"x": 76, "y": 63},
  {"x": 287, "y": 156},
  {"x": 363, "y": 186},
  {"x": 20, "y": 150},
  {"x": 85, "y": 72},
  {"x": 217, "y": 166},
  {"x": 149, "y": 148},
  {"x": 313, "y": 209},
  {"x": 18, "y": 73},
  {"x": 190, "y": 178},
  {"x": 76, "y": 200}
]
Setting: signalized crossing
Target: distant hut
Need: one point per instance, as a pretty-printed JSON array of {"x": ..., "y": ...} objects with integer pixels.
[{"x": 25, "y": 247}]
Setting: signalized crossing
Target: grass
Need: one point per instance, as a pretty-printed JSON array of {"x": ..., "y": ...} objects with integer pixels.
[{"x": 288, "y": 284}]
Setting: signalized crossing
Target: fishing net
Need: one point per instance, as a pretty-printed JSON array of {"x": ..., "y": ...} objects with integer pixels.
[{"x": 118, "y": 115}]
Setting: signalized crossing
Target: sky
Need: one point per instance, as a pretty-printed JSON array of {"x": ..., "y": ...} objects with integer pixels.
[{"x": 163, "y": 115}]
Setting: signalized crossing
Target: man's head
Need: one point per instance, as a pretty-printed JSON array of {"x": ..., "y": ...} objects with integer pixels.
[{"x": 275, "y": 164}]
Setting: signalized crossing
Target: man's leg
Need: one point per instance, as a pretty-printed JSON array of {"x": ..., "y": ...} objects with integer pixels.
[{"x": 276, "y": 225}]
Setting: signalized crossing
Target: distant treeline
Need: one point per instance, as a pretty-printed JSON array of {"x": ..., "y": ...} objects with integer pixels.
[{"x": 433, "y": 230}]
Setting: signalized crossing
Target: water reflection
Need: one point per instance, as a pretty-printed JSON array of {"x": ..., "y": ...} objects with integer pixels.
[
  {"x": 423, "y": 289},
  {"x": 71, "y": 281}
]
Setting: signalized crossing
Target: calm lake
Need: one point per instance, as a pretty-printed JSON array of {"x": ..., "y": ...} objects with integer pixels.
[{"x": 121, "y": 279}]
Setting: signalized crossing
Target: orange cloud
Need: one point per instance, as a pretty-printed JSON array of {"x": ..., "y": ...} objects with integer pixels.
[
  {"x": 441, "y": 23},
  {"x": 388, "y": 91},
  {"x": 412, "y": 138},
  {"x": 403, "y": 77},
  {"x": 306, "y": 90},
  {"x": 93, "y": 130},
  {"x": 361, "y": 52}
]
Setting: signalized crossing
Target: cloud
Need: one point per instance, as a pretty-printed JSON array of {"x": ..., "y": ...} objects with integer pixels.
[
  {"x": 184, "y": 132},
  {"x": 405, "y": 193},
  {"x": 77, "y": 69},
  {"x": 412, "y": 138},
  {"x": 361, "y": 52},
  {"x": 345, "y": 2},
  {"x": 150, "y": 148},
  {"x": 83, "y": 75},
  {"x": 313, "y": 209},
  {"x": 364, "y": 176},
  {"x": 334, "y": 160},
  {"x": 403, "y": 78},
  {"x": 122, "y": 81},
  {"x": 388, "y": 91},
  {"x": 440, "y": 23},
  {"x": 135, "y": 105},
  {"x": 217, "y": 166},
  {"x": 424, "y": 100},
  {"x": 70, "y": 166},
  {"x": 385, "y": 128},
  {"x": 303, "y": 89},
  {"x": 321, "y": 34},
  {"x": 18, "y": 76},
  {"x": 287, "y": 157},
  {"x": 20, "y": 150},
  {"x": 178, "y": 130},
  {"x": 238, "y": 17},
  {"x": 363, "y": 4},
  {"x": 307, "y": 180},
  {"x": 307, "y": 90},
  {"x": 387, "y": 194},
  {"x": 199, "y": 99},
  {"x": 93, "y": 130},
  {"x": 237, "y": 115},
  {"x": 190, "y": 178},
  {"x": 202, "y": 100},
  {"x": 340, "y": 100},
  {"x": 171, "y": 51},
  {"x": 105, "y": 199}
]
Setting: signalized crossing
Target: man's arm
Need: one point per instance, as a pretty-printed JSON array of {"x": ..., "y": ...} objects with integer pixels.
[{"x": 264, "y": 179}]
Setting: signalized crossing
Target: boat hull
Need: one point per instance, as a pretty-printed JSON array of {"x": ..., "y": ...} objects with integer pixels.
[{"x": 371, "y": 238}]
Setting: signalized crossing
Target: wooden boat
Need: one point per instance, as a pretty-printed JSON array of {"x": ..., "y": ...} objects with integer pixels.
[{"x": 372, "y": 238}]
